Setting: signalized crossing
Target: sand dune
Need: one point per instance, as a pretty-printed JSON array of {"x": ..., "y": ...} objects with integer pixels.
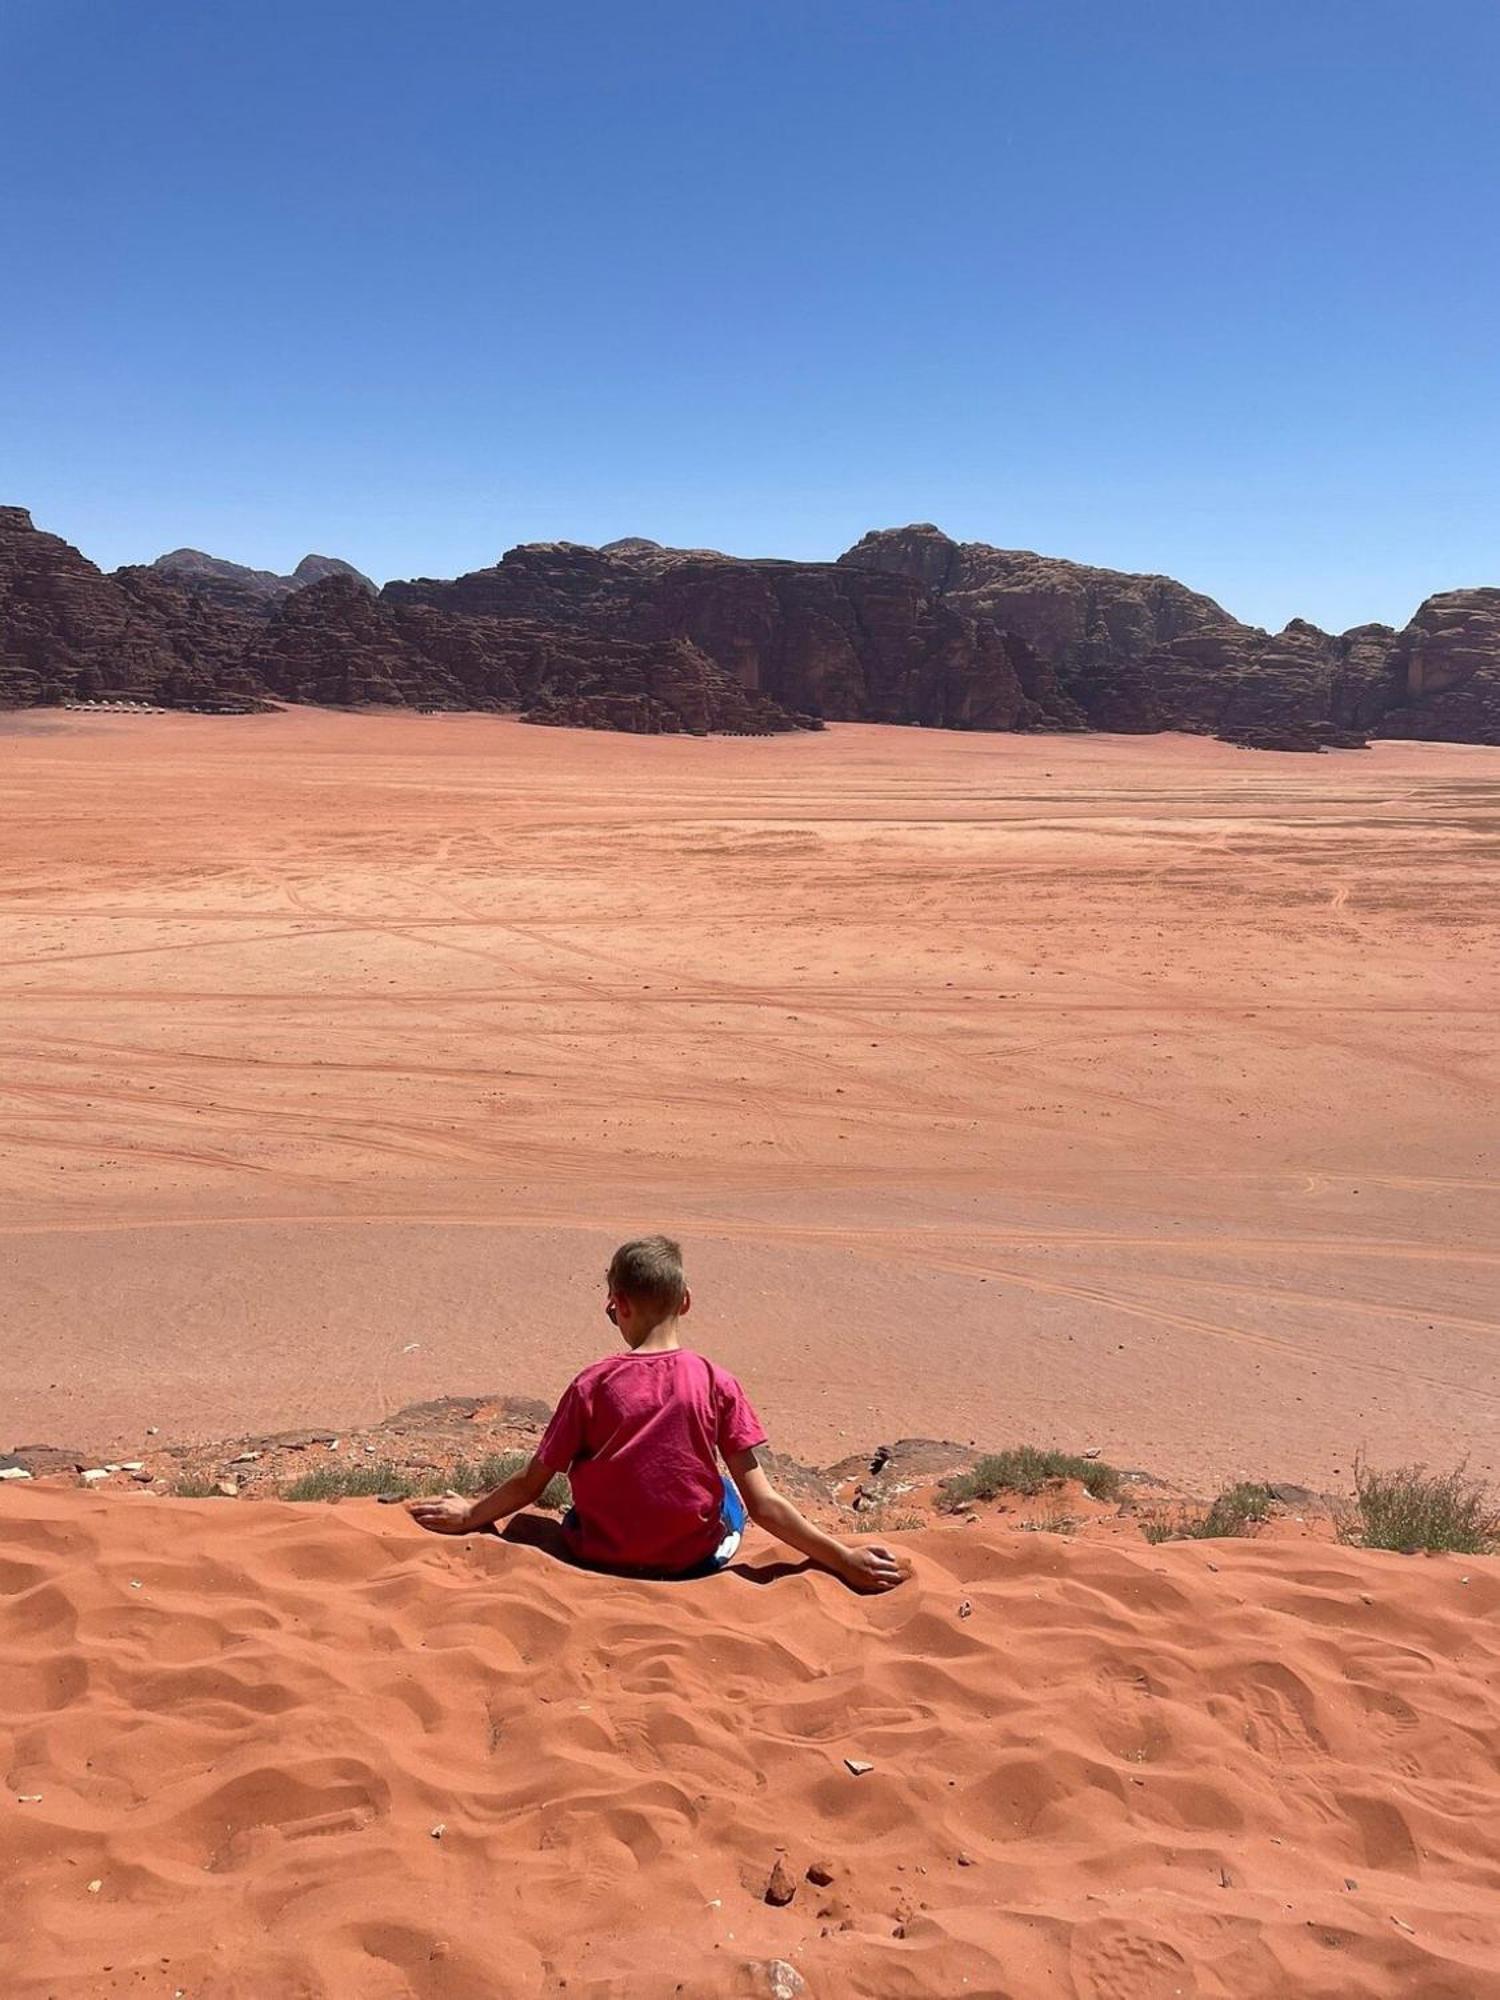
[
  {"x": 230, "y": 1736},
  {"x": 336, "y": 1052}
]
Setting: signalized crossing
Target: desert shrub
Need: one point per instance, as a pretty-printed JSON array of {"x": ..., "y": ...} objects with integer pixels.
[
  {"x": 1412, "y": 1509},
  {"x": 355, "y": 1482},
  {"x": 1234, "y": 1512},
  {"x": 351, "y": 1482},
  {"x": 1025, "y": 1470},
  {"x": 196, "y": 1487},
  {"x": 499, "y": 1466},
  {"x": 1051, "y": 1524},
  {"x": 886, "y": 1519}
]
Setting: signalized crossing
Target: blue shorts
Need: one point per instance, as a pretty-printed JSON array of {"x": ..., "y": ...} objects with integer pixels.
[{"x": 732, "y": 1524}]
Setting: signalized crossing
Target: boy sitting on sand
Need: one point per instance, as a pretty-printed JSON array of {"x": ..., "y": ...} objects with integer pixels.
[{"x": 640, "y": 1436}]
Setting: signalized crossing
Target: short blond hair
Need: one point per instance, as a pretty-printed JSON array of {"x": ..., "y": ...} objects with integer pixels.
[{"x": 648, "y": 1271}]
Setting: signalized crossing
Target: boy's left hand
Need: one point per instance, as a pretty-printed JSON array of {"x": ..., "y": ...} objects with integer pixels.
[{"x": 452, "y": 1515}]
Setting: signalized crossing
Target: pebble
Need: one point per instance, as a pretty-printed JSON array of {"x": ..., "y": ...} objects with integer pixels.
[
  {"x": 821, "y": 1873},
  {"x": 784, "y": 1981},
  {"x": 440, "y": 1829},
  {"x": 966, "y": 1609},
  {"x": 94, "y": 1473},
  {"x": 781, "y": 1885},
  {"x": 230, "y": 1488},
  {"x": 964, "y": 1860},
  {"x": 95, "y": 1886},
  {"x": 858, "y": 1766}
]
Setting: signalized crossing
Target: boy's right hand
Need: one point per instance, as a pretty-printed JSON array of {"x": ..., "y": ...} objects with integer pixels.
[
  {"x": 875, "y": 1568},
  {"x": 452, "y": 1515}
]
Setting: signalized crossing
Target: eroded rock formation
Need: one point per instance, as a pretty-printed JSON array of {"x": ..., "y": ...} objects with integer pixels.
[{"x": 908, "y": 626}]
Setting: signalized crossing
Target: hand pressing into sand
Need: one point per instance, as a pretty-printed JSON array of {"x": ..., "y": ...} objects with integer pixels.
[
  {"x": 448, "y": 1516},
  {"x": 875, "y": 1568}
]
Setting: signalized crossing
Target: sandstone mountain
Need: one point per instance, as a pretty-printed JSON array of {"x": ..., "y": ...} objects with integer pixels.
[
  {"x": 256, "y": 592},
  {"x": 908, "y": 626}
]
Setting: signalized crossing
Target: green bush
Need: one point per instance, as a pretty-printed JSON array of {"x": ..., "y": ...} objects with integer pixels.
[
  {"x": 1235, "y": 1512},
  {"x": 356, "y": 1482},
  {"x": 497, "y": 1467},
  {"x": 1024, "y": 1469},
  {"x": 1411, "y": 1510}
]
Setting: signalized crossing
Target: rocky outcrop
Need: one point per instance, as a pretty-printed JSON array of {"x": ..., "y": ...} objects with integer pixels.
[
  {"x": 908, "y": 626},
  {"x": 1447, "y": 670},
  {"x": 1087, "y": 624},
  {"x": 1305, "y": 736},
  {"x": 815, "y": 638},
  {"x": 251, "y": 592},
  {"x": 1138, "y": 653},
  {"x": 335, "y": 644},
  {"x": 69, "y": 632}
]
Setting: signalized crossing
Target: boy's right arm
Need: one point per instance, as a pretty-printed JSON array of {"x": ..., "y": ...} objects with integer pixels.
[
  {"x": 456, "y": 1516},
  {"x": 870, "y": 1567}
]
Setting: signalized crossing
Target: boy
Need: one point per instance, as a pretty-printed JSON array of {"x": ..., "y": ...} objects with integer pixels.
[{"x": 640, "y": 1436}]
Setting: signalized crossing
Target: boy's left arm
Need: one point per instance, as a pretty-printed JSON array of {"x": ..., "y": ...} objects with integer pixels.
[
  {"x": 457, "y": 1516},
  {"x": 868, "y": 1566}
]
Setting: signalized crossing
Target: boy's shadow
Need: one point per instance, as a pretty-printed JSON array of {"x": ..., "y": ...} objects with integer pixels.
[{"x": 538, "y": 1531}]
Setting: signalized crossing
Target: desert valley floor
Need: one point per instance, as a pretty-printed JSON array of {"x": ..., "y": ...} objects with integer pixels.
[{"x": 1136, "y": 1093}]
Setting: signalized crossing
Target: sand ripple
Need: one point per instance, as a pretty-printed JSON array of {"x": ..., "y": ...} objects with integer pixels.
[{"x": 1258, "y": 1769}]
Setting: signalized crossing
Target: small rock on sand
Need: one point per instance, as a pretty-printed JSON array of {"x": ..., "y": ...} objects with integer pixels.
[
  {"x": 858, "y": 1766},
  {"x": 781, "y": 1885},
  {"x": 783, "y": 1981},
  {"x": 821, "y": 1873}
]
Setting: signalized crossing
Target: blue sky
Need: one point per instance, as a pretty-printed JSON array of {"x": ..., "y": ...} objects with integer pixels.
[{"x": 1201, "y": 286}]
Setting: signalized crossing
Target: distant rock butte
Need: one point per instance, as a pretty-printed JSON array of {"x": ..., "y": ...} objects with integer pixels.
[
  {"x": 255, "y": 591},
  {"x": 908, "y": 626}
]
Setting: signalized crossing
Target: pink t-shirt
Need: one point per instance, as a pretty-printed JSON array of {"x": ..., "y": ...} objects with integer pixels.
[{"x": 637, "y": 1435}]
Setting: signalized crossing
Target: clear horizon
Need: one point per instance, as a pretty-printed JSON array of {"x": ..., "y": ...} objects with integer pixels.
[{"x": 1198, "y": 292}]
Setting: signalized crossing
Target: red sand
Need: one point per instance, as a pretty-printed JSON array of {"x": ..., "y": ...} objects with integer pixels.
[
  {"x": 1136, "y": 1093},
  {"x": 1239, "y": 1771}
]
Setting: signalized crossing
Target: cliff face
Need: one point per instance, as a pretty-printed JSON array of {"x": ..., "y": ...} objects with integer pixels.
[
  {"x": 1447, "y": 667},
  {"x": 1073, "y": 616},
  {"x": 68, "y": 630},
  {"x": 336, "y": 644},
  {"x": 906, "y": 627},
  {"x": 815, "y": 638},
  {"x": 1145, "y": 653}
]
